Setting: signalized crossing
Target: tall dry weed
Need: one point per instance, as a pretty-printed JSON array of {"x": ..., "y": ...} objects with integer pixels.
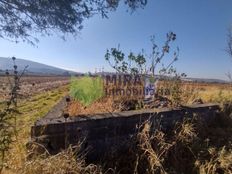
[
  {"x": 65, "y": 162},
  {"x": 193, "y": 146}
]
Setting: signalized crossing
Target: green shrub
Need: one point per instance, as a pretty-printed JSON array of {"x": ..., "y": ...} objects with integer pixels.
[{"x": 86, "y": 89}]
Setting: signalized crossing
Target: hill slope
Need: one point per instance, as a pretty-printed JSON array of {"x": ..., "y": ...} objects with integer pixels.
[{"x": 34, "y": 67}]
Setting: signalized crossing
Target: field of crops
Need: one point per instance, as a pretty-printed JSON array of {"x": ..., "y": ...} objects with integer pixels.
[{"x": 31, "y": 85}]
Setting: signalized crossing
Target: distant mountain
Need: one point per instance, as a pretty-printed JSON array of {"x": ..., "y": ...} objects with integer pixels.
[
  {"x": 189, "y": 79},
  {"x": 205, "y": 80},
  {"x": 34, "y": 67}
]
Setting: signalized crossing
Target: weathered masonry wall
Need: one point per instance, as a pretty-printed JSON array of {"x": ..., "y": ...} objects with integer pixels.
[{"x": 104, "y": 131}]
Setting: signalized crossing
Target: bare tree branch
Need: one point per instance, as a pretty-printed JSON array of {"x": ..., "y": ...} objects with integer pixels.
[{"x": 229, "y": 42}]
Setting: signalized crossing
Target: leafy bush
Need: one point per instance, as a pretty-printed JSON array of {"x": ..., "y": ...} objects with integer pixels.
[{"x": 86, "y": 89}]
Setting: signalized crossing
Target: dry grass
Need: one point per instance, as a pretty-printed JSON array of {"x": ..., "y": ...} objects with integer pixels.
[
  {"x": 100, "y": 106},
  {"x": 190, "y": 92},
  {"x": 65, "y": 162},
  {"x": 192, "y": 146},
  {"x": 30, "y": 110},
  {"x": 207, "y": 92},
  {"x": 216, "y": 95},
  {"x": 220, "y": 161}
]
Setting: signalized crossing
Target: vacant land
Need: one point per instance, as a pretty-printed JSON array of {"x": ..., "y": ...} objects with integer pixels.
[
  {"x": 207, "y": 92},
  {"x": 212, "y": 92},
  {"x": 204, "y": 148},
  {"x": 31, "y": 85},
  {"x": 30, "y": 110},
  {"x": 190, "y": 93}
]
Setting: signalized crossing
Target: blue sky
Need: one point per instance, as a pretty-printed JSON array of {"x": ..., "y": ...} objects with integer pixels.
[{"x": 201, "y": 28}]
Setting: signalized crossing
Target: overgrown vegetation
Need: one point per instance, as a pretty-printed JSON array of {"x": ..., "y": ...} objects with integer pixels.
[
  {"x": 9, "y": 113},
  {"x": 30, "y": 110},
  {"x": 172, "y": 86},
  {"x": 11, "y": 124},
  {"x": 86, "y": 89},
  {"x": 192, "y": 146},
  {"x": 63, "y": 162},
  {"x": 142, "y": 63},
  {"x": 152, "y": 66},
  {"x": 216, "y": 95}
]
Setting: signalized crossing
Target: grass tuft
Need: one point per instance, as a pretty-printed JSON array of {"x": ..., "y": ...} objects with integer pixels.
[{"x": 86, "y": 89}]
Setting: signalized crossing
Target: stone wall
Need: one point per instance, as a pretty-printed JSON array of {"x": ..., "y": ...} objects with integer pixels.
[{"x": 100, "y": 132}]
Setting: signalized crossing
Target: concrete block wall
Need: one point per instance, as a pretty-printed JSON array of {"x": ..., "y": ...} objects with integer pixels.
[{"x": 101, "y": 132}]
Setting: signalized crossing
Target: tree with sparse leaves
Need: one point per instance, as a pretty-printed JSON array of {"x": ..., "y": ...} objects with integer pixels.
[
  {"x": 229, "y": 42},
  {"x": 24, "y": 19},
  {"x": 141, "y": 63},
  {"x": 148, "y": 65},
  {"x": 229, "y": 50}
]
